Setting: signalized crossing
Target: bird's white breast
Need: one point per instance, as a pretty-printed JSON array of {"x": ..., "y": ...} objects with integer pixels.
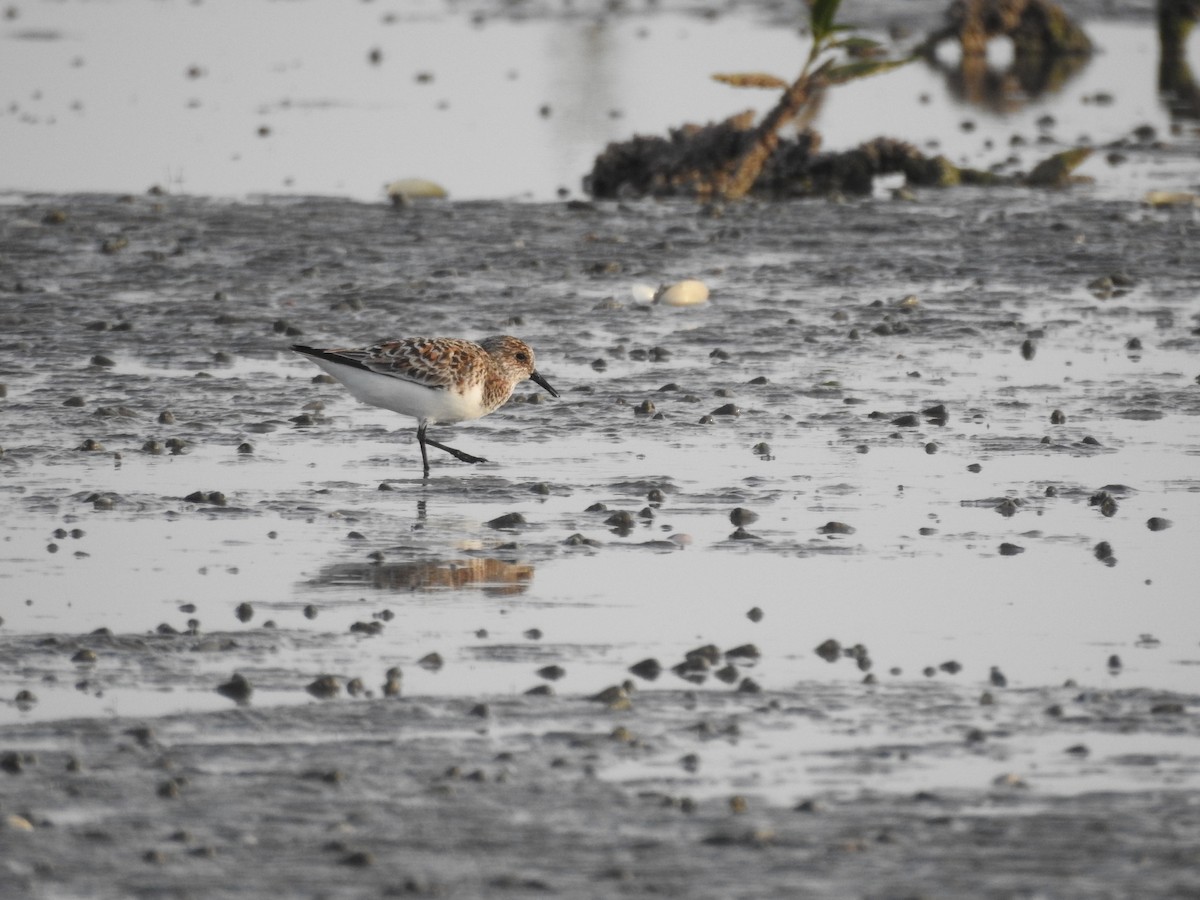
[{"x": 431, "y": 405}]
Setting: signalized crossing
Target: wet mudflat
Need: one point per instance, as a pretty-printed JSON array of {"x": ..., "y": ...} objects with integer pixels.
[
  {"x": 955, "y": 435},
  {"x": 418, "y": 798}
]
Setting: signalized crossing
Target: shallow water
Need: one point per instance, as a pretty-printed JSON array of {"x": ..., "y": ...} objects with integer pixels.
[{"x": 237, "y": 99}]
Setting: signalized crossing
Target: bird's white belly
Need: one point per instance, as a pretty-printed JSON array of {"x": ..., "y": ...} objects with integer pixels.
[{"x": 432, "y": 405}]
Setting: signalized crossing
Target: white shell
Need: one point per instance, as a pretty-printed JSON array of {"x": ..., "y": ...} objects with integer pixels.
[
  {"x": 642, "y": 293},
  {"x": 689, "y": 292}
]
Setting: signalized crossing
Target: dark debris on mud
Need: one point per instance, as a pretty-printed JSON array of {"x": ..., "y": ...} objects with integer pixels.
[{"x": 196, "y": 292}]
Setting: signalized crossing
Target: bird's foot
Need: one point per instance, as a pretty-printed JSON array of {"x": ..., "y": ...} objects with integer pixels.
[{"x": 457, "y": 454}]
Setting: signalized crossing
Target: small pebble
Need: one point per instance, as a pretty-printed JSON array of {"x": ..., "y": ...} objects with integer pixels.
[
  {"x": 648, "y": 669},
  {"x": 836, "y": 528},
  {"x": 506, "y": 521},
  {"x": 236, "y": 688},
  {"x": 742, "y": 516},
  {"x": 325, "y": 687},
  {"x": 431, "y": 662},
  {"x": 829, "y": 650}
]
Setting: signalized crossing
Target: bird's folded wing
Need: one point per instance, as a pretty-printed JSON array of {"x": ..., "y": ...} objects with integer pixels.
[{"x": 417, "y": 361}]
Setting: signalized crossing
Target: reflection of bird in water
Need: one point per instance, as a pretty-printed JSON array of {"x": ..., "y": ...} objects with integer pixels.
[{"x": 492, "y": 576}]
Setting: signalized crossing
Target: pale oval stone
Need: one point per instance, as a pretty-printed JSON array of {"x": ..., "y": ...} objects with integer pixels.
[
  {"x": 1170, "y": 198},
  {"x": 689, "y": 292},
  {"x": 1009, "y": 780},
  {"x": 413, "y": 188}
]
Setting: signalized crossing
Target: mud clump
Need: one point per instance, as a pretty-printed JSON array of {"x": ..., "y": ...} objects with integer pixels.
[
  {"x": 681, "y": 165},
  {"x": 739, "y": 156}
]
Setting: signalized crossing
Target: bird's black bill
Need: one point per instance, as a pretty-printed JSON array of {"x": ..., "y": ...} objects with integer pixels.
[{"x": 539, "y": 380}]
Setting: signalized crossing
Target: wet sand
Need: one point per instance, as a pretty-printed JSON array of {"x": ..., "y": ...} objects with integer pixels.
[{"x": 129, "y": 775}]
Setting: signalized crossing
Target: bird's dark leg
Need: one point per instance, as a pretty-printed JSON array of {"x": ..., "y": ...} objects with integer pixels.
[
  {"x": 457, "y": 454},
  {"x": 421, "y": 440}
]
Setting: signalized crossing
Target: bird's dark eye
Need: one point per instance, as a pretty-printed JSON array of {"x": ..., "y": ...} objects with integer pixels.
[{"x": 521, "y": 356}]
